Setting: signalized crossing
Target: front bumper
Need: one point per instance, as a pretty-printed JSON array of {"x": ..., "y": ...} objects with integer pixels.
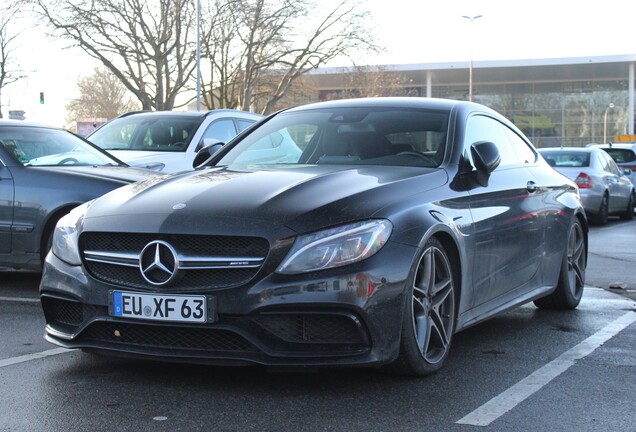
[{"x": 346, "y": 316}]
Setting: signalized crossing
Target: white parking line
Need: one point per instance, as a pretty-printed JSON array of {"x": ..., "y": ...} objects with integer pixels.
[
  {"x": 34, "y": 356},
  {"x": 20, "y": 299},
  {"x": 504, "y": 402}
]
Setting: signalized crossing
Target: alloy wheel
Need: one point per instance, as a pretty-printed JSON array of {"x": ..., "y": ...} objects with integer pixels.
[
  {"x": 433, "y": 305},
  {"x": 576, "y": 259}
]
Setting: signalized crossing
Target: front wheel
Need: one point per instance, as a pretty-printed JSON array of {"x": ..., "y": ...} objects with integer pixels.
[
  {"x": 569, "y": 289},
  {"x": 429, "y": 314}
]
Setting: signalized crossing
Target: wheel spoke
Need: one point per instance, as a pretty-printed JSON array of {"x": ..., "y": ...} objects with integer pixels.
[
  {"x": 443, "y": 289},
  {"x": 423, "y": 333},
  {"x": 439, "y": 328},
  {"x": 419, "y": 308}
]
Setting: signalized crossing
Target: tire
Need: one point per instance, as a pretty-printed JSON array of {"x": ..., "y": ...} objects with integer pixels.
[
  {"x": 428, "y": 321},
  {"x": 629, "y": 211},
  {"x": 569, "y": 290},
  {"x": 603, "y": 212}
]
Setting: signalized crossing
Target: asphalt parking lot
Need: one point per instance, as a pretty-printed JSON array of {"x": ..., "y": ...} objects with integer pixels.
[
  {"x": 527, "y": 370},
  {"x": 611, "y": 259}
]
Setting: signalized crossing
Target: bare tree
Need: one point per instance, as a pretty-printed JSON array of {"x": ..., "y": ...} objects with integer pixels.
[
  {"x": 146, "y": 44},
  {"x": 370, "y": 81},
  {"x": 102, "y": 95},
  {"x": 9, "y": 69},
  {"x": 258, "y": 48}
]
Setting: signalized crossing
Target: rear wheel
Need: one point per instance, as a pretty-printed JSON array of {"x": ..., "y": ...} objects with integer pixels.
[
  {"x": 569, "y": 289},
  {"x": 429, "y": 314},
  {"x": 629, "y": 211},
  {"x": 603, "y": 212}
]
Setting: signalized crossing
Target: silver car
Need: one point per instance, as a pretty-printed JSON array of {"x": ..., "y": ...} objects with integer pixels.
[
  {"x": 605, "y": 188},
  {"x": 624, "y": 154}
]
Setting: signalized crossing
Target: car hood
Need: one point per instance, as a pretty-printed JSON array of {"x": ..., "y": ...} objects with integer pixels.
[
  {"x": 301, "y": 199},
  {"x": 120, "y": 173},
  {"x": 155, "y": 160}
]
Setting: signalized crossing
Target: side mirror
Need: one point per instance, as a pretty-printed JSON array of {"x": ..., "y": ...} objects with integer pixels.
[
  {"x": 206, "y": 153},
  {"x": 627, "y": 172},
  {"x": 205, "y": 142},
  {"x": 486, "y": 158}
]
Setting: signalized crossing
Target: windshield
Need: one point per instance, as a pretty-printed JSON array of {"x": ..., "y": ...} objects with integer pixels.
[
  {"x": 37, "y": 146},
  {"x": 147, "y": 133},
  {"x": 352, "y": 136}
]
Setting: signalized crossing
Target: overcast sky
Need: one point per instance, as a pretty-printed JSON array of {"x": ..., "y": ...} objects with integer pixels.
[{"x": 413, "y": 31}]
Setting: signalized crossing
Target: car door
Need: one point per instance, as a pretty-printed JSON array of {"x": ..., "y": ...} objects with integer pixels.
[
  {"x": 6, "y": 207},
  {"x": 508, "y": 232},
  {"x": 620, "y": 187}
]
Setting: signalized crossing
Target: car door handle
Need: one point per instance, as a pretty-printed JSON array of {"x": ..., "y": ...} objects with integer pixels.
[{"x": 531, "y": 186}]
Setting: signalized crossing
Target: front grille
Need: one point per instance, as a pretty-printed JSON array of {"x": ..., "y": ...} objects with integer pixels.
[
  {"x": 165, "y": 337},
  {"x": 130, "y": 245},
  {"x": 313, "y": 328}
]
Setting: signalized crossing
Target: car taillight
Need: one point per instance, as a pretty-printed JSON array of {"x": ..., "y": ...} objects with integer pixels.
[{"x": 584, "y": 181}]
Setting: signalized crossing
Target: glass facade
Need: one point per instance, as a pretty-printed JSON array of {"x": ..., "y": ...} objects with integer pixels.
[{"x": 571, "y": 114}]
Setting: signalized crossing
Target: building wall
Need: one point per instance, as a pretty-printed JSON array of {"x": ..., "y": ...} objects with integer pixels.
[{"x": 554, "y": 101}]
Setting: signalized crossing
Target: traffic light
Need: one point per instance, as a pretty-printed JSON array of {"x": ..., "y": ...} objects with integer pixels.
[{"x": 41, "y": 98}]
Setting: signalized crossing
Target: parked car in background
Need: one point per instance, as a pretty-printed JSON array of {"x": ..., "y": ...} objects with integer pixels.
[
  {"x": 167, "y": 141},
  {"x": 624, "y": 155},
  {"x": 44, "y": 173},
  {"x": 355, "y": 232},
  {"x": 605, "y": 188}
]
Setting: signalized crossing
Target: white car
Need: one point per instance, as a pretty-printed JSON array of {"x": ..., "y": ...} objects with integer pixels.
[{"x": 167, "y": 141}]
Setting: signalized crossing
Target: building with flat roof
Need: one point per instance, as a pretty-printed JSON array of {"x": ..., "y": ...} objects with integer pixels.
[{"x": 558, "y": 101}]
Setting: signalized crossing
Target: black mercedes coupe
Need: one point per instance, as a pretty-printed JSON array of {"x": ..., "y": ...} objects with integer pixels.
[{"x": 355, "y": 232}]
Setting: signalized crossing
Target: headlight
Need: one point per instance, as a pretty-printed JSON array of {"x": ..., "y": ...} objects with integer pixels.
[
  {"x": 336, "y": 247},
  {"x": 66, "y": 234}
]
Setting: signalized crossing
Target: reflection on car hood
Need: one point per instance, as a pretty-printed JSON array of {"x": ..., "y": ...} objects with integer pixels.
[{"x": 293, "y": 196}]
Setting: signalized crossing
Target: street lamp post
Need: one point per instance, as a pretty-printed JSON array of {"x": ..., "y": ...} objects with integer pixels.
[
  {"x": 611, "y": 105},
  {"x": 198, "y": 60},
  {"x": 470, "y": 68}
]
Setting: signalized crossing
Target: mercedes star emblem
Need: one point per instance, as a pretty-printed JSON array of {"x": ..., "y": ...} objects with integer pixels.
[{"x": 158, "y": 263}]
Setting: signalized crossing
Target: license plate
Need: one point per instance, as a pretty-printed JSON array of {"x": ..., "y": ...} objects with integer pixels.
[{"x": 159, "y": 307}]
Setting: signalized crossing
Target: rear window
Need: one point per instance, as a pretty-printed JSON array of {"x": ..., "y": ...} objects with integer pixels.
[
  {"x": 621, "y": 155},
  {"x": 567, "y": 159}
]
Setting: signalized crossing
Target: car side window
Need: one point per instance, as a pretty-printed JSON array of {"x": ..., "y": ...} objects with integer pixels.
[
  {"x": 482, "y": 128},
  {"x": 612, "y": 167},
  {"x": 604, "y": 162},
  {"x": 523, "y": 152},
  {"x": 244, "y": 124},
  {"x": 222, "y": 130}
]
